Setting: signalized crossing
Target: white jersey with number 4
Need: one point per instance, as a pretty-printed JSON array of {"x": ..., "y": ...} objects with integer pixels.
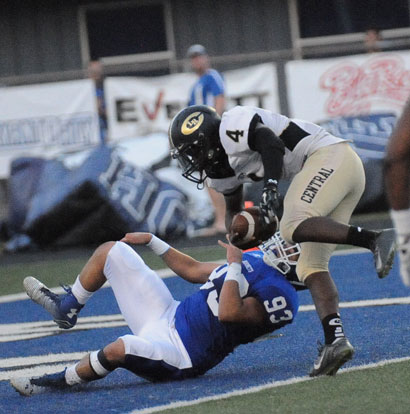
[{"x": 246, "y": 163}]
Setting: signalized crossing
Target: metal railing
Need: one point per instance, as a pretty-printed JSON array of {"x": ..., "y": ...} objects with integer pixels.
[{"x": 166, "y": 61}]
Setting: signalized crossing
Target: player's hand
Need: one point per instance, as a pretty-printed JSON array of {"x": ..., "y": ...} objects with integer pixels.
[
  {"x": 269, "y": 203},
  {"x": 236, "y": 239},
  {"x": 137, "y": 238},
  {"x": 233, "y": 253}
]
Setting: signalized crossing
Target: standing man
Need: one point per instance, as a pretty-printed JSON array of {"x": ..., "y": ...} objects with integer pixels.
[
  {"x": 209, "y": 90},
  {"x": 327, "y": 180},
  {"x": 397, "y": 179},
  {"x": 95, "y": 73}
]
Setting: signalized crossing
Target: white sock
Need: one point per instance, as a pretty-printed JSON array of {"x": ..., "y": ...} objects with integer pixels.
[
  {"x": 401, "y": 221},
  {"x": 80, "y": 293},
  {"x": 71, "y": 376}
]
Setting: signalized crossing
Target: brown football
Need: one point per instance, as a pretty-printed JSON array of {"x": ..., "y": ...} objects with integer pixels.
[{"x": 249, "y": 230}]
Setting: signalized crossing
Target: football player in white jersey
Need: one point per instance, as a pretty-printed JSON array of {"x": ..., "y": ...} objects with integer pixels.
[
  {"x": 326, "y": 182},
  {"x": 249, "y": 296},
  {"x": 397, "y": 179}
]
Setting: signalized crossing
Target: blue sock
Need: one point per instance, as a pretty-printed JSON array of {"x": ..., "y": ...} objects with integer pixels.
[
  {"x": 69, "y": 303},
  {"x": 51, "y": 380}
]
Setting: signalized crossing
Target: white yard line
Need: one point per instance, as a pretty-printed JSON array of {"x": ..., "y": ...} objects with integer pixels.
[
  {"x": 364, "y": 303},
  {"x": 258, "y": 388},
  {"x": 29, "y": 330}
]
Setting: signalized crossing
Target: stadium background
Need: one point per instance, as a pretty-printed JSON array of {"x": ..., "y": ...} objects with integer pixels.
[{"x": 49, "y": 41}]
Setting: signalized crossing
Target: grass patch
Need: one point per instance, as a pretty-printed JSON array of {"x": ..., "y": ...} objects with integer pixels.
[
  {"x": 54, "y": 270},
  {"x": 376, "y": 390}
]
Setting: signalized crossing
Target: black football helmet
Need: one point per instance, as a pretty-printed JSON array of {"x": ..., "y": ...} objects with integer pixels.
[{"x": 194, "y": 142}]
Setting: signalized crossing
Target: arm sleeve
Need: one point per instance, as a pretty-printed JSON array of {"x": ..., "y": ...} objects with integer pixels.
[{"x": 263, "y": 140}]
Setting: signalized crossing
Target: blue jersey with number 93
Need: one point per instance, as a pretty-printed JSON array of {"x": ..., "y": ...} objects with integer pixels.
[{"x": 209, "y": 341}]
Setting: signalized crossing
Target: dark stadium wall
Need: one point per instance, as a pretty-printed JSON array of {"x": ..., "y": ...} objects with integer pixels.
[
  {"x": 45, "y": 37},
  {"x": 37, "y": 37},
  {"x": 231, "y": 27}
]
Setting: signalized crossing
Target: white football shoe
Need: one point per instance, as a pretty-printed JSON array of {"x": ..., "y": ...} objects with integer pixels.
[
  {"x": 383, "y": 251},
  {"x": 24, "y": 386}
]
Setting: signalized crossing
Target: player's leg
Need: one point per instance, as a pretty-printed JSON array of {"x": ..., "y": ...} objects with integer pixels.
[
  {"x": 328, "y": 176},
  {"x": 315, "y": 194},
  {"x": 397, "y": 183},
  {"x": 91, "y": 367},
  {"x": 157, "y": 355},
  {"x": 65, "y": 308},
  {"x": 313, "y": 270},
  {"x": 142, "y": 296},
  {"x": 397, "y": 163}
]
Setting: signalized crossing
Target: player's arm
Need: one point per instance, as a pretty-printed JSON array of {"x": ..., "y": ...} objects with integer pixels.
[
  {"x": 183, "y": 265},
  {"x": 217, "y": 87},
  {"x": 232, "y": 307},
  {"x": 233, "y": 204},
  {"x": 219, "y": 102},
  {"x": 272, "y": 150}
]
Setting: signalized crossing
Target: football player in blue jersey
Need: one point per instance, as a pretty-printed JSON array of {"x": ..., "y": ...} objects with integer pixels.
[
  {"x": 327, "y": 180},
  {"x": 239, "y": 301}
]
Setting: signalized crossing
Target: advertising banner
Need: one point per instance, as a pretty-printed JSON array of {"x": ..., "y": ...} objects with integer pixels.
[
  {"x": 138, "y": 106},
  {"x": 46, "y": 120},
  {"x": 358, "y": 98},
  {"x": 375, "y": 83}
]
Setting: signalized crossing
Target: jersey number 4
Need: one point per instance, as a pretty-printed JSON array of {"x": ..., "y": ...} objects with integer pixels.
[{"x": 234, "y": 135}]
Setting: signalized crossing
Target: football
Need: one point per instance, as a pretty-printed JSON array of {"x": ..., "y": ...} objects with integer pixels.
[{"x": 248, "y": 228}]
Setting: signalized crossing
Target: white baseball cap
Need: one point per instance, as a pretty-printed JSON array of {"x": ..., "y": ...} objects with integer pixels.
[{"x": 196, "y": 50}]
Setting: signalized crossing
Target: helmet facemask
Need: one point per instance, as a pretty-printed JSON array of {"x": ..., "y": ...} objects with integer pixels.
[
  {"x": 192, "y": 158},
  {"x": 194, "y": 142},
  {"x": 280, "y": 255}
]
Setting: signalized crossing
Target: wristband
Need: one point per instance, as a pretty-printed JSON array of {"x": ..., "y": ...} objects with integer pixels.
[
  {"x": 158, "y": 246},
  {"x": 235, "y": 273}
]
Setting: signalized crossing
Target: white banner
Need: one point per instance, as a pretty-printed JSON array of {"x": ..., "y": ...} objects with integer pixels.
[
  {"x": 46, "y": 120},
  {"x": 348, "y": 86},
  {"x": 138, "y": 106}
]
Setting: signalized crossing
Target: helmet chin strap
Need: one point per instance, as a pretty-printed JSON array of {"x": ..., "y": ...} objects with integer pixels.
[{"x": 201, "y": 184}]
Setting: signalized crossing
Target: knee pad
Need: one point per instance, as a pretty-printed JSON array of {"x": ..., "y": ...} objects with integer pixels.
[{"x": 100, "y": 364}]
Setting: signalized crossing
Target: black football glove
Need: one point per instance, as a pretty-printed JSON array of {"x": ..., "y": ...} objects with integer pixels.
[{"x": 270, "y": 201}]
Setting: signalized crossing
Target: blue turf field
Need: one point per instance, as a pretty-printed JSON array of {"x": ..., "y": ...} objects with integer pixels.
[{"x": 377, "y": 332}]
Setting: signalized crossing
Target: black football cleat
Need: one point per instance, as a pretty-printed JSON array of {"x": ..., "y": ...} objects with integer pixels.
[{"x": 332, "y": 357}]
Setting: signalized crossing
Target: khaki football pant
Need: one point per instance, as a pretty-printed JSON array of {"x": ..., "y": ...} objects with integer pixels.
[{"x": 330, "y": 184}]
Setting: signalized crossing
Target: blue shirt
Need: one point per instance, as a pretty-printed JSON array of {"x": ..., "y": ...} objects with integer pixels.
[
  {"x": 209, "y": 85},
  {"x": 209, "y": 341}
]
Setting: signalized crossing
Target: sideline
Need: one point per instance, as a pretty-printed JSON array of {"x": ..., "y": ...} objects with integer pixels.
[{"x": 258, "y": 388}]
